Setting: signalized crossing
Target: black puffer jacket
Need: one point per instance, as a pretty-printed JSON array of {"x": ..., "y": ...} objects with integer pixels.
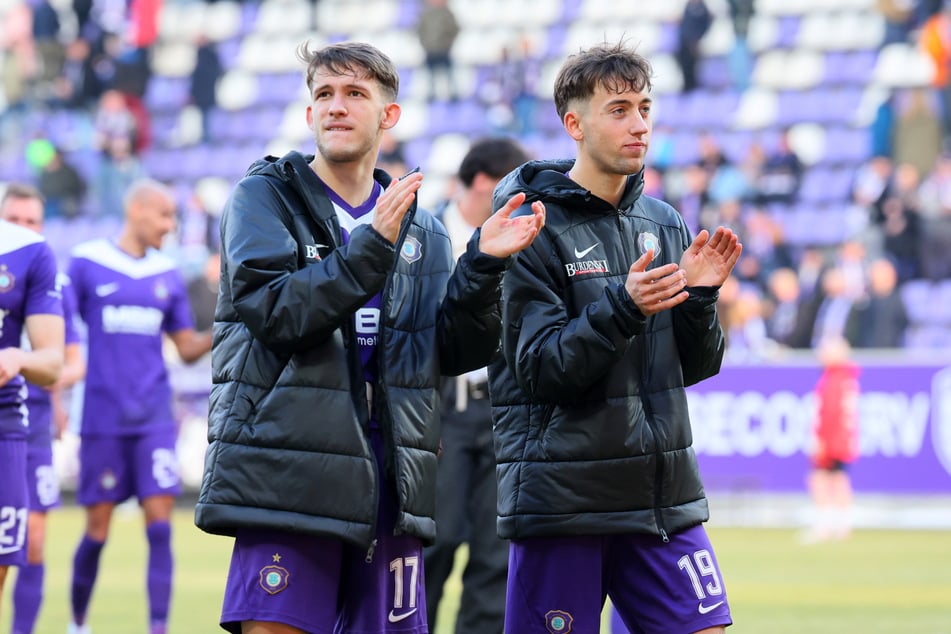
[
  {"x": 288, "y": 415},
  {"x": 591, "y": 428}
]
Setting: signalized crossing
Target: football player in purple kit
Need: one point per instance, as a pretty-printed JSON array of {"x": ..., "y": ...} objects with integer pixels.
[
  {"x": 129, "y": 294},
  {"x": 338, "y": 311},
  {"x": 31, "y": 306},
  {"x": 47, "y": 412},
  {"x": 608, "y": 315}
]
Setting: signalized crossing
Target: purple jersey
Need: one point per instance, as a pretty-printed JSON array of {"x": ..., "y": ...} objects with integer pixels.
[
  {"x": 28, "y": 286},
  {"x": 126, "y": 304},
  {"x": 38, "y": 399},
  {"x": 367, "y": 318}
]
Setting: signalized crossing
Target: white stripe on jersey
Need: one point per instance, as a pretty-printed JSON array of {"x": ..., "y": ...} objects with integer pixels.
[
  {"x": 105, "y": 253},
  {"x": 14, "y": 237}
]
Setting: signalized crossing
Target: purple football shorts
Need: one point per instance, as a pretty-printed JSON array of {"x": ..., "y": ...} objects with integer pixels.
[
  {"x": 559, "y": 584},
  {"x": 324, "y": 585},
  {"x": 14, "y": 499},
  {"x": 115, "y": 468}
]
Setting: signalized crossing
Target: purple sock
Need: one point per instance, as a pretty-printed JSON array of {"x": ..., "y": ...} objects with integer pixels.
[
  {"x": 85, "y": 569},
  {"x": 159, "y": 579},
  {"x": 27, "y": 597}
]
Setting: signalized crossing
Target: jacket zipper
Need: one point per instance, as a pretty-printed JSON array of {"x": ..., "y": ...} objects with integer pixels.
[
  {"x": 648, "y": 413},
  {"x": 379, "y": 393},
  {"x": 332, "y": 229}
]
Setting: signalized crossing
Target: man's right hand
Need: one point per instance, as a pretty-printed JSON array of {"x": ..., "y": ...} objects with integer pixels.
[{"x": 393, "y": 203}]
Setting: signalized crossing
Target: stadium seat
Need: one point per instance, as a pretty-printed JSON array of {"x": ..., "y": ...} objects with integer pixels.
[
  {"x": 758, "y": 108},
  {"x": 903, "y": 64}
]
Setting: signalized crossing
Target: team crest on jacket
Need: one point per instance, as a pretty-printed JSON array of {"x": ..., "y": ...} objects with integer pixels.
[
  {"x": 273, "y": 579},
  {"x": 647, "y": 241},
  {"x": 411, "y": 250},
  {"x": 558, "y": 621}
]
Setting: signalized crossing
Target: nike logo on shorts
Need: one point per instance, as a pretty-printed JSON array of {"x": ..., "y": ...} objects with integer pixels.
[
  {"x": 703, "y": 609},
  {"x": 396, "y": 618}
]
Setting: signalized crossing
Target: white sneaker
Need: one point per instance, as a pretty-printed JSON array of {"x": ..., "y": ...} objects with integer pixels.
[{"x": 78, "y": 629}]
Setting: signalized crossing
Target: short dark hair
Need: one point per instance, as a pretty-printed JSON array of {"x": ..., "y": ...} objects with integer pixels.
[
  {"x": 21, "y": 191},
  {"x": 495, "y": 156},
  {"x": 615, "y": 67},
  {"x": 352, "y": 58}
]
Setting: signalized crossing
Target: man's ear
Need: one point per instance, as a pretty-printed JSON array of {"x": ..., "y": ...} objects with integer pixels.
[
  {"x": 391, "y": 114},
  {"x": 572, "y": 123},
  {"x": 310, "y": 117}
]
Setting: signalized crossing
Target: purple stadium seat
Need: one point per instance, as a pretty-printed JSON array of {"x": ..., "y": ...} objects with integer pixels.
[
  {"x": 787, "y": 31},
  {"x": 846, "y": 145},
  {"x": 166, "y": 93}
]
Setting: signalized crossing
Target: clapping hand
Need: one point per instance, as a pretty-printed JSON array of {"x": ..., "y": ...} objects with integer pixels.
[
  {"x": 708, "y": 262},
  {"x": 503, "y": 235}
]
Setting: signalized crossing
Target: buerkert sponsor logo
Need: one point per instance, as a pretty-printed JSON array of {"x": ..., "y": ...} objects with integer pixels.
[
  {"x": 586, "y": 266},
  {"x": 131, "y": 320},
  {"x": 892, "y": 424}
]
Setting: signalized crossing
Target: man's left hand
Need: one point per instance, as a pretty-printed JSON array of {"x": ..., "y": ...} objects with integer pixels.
[
  {"x": 503, "y": 235},
  {"x": 708, "y": 262}
]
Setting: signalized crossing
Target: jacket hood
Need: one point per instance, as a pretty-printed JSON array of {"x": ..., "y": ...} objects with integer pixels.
[{"x": 546, "y": 181}]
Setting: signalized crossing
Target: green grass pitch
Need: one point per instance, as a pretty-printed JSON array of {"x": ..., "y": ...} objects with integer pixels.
[{"x": 876, "y": 582}]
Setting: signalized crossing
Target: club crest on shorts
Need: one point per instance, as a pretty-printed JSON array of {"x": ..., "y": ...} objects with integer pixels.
[
  {"x": 7, "y": 280},
  {"x": 273, "y": 579},
  {"x": 647, "y": 241},
  {"x": 412, "y": 249},
  {"x": 558, "y": 621},
  {"x": 108, "y": 480}
]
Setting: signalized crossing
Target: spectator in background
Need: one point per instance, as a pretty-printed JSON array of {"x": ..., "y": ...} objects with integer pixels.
[
  {"x": 49, "y": 49},
  {"x": 48, "y": 414},
  {"x": 879, "y": 318},
  {"x": 437, "y": 30},
  {"x": 780, "y": 176},
  {"x": 512, "y": 93},
  {"x": 740, "y": 57},
  {"x": 19, "y": 55},
  {"x": 78, "y": 87},
  {"x": 918, "y": 132},
  {"x": 835, "y": 441},
  {"x": 833, "y": 307},
  {"x": 744, "y": 326},
  {"x": 392, "y": 157},
  {"x": 726, "y": 181},
  {"x": 935, "y": 243},
  {"x": 899, "y": 18},
  {"x": 203, "y": 84},
  {"x": 113, "y": 120},
  {"x": 871, "y": 184},
  {"x": 117, "y": 170},
  {"x": 782, "y": 311},
  {"x": 694, "y": 24},
  {"x": 63, "y": 187},
  {"x": 900, "y": 223},
  {"x": 935, "y": 40},
  {"x": 466, "y": 495},
  {"x": 882, "y": 128},
  {"x": 130, "y": 296},
  {"x": 203, "y": 292}
]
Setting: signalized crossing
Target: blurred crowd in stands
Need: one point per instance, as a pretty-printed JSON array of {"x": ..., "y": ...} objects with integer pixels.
[{"x": 92, "y": 58}]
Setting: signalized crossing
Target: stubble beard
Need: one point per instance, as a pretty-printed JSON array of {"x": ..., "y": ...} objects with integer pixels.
[{"x": 349, "y": 153}]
